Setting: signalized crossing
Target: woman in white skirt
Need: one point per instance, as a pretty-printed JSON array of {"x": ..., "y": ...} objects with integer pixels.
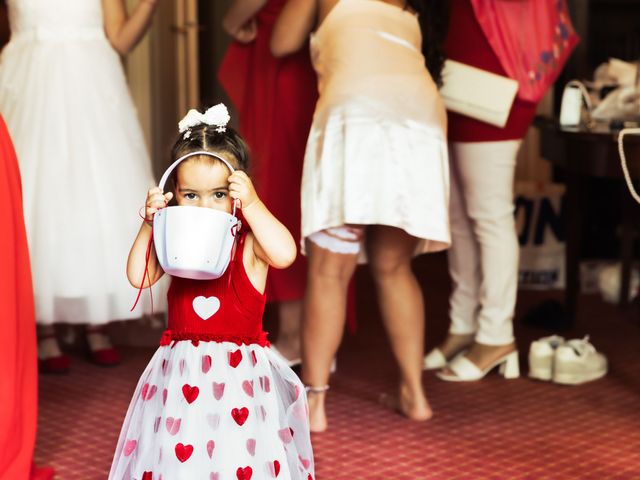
[
  {"x": 82, "y": 157},
  {"x": 375, "y": 178}
]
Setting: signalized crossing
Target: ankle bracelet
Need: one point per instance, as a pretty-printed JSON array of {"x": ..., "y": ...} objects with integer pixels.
[{"x": 311, "y": 389}]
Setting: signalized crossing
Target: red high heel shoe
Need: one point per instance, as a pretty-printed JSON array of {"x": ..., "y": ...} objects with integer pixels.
[
  {"x": 41, "y": 473},
  {"x": 104, "y": 357},
  {"x": 53, "y": 365}
]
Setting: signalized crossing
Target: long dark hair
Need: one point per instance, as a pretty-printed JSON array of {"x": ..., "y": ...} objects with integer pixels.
[{"x": 433, "y": 16}]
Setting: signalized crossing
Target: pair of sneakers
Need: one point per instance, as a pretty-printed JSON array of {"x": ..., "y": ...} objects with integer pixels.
[{"x": 567, "y": 362}]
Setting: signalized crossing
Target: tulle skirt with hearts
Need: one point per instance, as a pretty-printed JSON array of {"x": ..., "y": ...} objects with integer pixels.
[{"x": 215, "y": 411}]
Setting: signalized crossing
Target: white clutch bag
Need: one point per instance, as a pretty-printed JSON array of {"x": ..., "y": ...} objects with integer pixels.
[{"x": 477, "y": 93}]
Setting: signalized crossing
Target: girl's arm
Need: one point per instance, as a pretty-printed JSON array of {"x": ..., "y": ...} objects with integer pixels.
[
  {"x": 294, "y": 24},
  {"x": 124, "y": 32},
  {"x": 239, "y": 21},
  {"x": 273, "y": 244},
  {"x": 136, "y": 262}
]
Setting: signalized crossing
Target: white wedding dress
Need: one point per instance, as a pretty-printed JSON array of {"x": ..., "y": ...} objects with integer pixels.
[{"x": 84, "y": 165}]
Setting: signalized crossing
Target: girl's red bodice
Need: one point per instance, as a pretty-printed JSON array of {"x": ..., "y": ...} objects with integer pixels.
[{"x": 227, "y": 309}]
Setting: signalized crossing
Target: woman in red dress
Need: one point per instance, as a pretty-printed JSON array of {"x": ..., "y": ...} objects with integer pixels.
[
  {"x": 275, "y": 98},
  {"x": 18, "y": 381}
]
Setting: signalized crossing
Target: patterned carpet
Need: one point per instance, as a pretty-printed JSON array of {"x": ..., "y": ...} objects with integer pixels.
[{"x": 493, "y": 429}]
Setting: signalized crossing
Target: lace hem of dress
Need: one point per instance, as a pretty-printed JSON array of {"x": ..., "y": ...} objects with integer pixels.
[{"x": 169, "y": 337}]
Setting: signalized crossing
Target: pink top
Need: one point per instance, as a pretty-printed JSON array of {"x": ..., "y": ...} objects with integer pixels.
[{"x": 227, "y": 309}]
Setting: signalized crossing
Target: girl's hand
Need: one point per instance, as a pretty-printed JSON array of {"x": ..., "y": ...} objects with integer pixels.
[
  {"x": 156, "y": 200},
  {"x": 241, "y": 188}
]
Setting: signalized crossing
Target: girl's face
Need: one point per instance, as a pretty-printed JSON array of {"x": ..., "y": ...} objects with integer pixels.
[{"x": 202, "y": 182}]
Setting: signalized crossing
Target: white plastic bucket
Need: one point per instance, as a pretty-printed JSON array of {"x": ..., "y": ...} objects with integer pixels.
[{"x": 194, "y": 242}]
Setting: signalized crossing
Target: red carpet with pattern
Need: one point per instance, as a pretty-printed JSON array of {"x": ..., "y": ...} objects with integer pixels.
[{"x": 493, "y": 429}]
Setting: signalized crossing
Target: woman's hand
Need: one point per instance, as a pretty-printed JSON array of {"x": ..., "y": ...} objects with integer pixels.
[
  {"x": 241, "y": 188},
  {"x": 247, "y": 32},
  {"x": 156, "y": 200}
]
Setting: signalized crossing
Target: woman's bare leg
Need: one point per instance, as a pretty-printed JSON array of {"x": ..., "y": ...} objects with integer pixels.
[
  {"x": 323, "y": 322},
  {"x": 290, "y": 317},
  {"x": 390, "y": 251}
]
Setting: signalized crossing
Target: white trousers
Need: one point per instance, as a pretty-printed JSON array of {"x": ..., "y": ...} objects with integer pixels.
[{"x": 483, "y": 258}]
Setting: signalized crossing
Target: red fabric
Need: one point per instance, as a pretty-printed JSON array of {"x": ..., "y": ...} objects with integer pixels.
[
  {"x": 239, "y": 315},
  {"x": 467, "y": 43},
  {"x": 532, "y": 38},
  {"x": 18, "y": 377},
  {"x": 275, "y": 99}
]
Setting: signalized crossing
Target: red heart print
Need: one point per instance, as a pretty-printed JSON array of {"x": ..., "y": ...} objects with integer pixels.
[
  {"x": 305, "y": 463},
  {"x": 235, "y": 358},
  {"x": 254, "y": 359},
  {"x": 183, "y": 452},
  {"x": 210, "y": 446},
  {"x": 147, "y": 476},
  {"x": 190, "y": 393},
  {"x": 182, "y": 364},
  {"x": 156, "y": 424},
  {"x": 173, "y": 425},
  {"x": 285, "y": 434},
  {"x": 164, "y": 396},
  {"x": 251, "y": 446},
  {"x": 274, "y": 468},
  {"x": 165, "y": 364},
  {"x": 309, "y": 477},
  {"x": 218, "y": 390},
  {"x": 129, "y": 447},
  {"x": 262, "y": 412},
  {"x": 240, "y": 415},
  {"x": 244, "y": 473},
  {"x": 265, "y": 384},
  {"x": 148, "y": 391},
  {"x": 214, "y": 476},
  {"x": 247, "y": 386},
  {"x": 206, "y": 363}
]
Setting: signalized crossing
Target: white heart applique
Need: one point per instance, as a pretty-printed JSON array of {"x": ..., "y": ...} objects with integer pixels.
[{"x": 205, "y": 307}]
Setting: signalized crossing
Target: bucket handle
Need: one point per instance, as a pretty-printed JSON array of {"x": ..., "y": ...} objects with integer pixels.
[{"x": 174, "y": 165}]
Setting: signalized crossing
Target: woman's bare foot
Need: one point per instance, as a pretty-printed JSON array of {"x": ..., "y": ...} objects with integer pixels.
[
  {"x": 455, "y": 343},
  {"x": 484, "y": 355},
  {"x": 412, "y": 406},
  {"x": 317, "y": 413}
]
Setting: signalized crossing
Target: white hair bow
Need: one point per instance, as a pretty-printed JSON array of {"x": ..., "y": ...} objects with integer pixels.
[{"x": 218, "y": 115}]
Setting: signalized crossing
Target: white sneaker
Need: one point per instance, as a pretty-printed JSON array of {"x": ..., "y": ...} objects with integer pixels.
[
  {"x": 577, "y": 361},
  {"x": 541, "y": 354}
]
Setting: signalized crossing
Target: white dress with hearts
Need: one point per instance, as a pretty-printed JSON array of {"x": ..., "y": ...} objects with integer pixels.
[{"x": 215, "y": 403}]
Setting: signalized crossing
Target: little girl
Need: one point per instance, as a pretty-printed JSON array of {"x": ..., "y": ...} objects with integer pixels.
[{"x": 214, "y": 401}]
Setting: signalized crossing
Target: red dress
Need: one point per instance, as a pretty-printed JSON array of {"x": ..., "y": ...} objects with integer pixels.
[
  {"x": 18, "y": 381},
  {"x": 466, "y": 43},
  {"x": 215, "y": 401},
  {"x": 275, "y": 99}
]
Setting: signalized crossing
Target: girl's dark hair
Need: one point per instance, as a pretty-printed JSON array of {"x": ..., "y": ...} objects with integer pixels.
[
  {"x": 433, "y": 16},
  {"x": 205, "y": 137}
]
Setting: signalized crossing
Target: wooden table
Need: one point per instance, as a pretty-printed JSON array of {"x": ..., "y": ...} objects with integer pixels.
[{"x": 583, "y": 153}]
